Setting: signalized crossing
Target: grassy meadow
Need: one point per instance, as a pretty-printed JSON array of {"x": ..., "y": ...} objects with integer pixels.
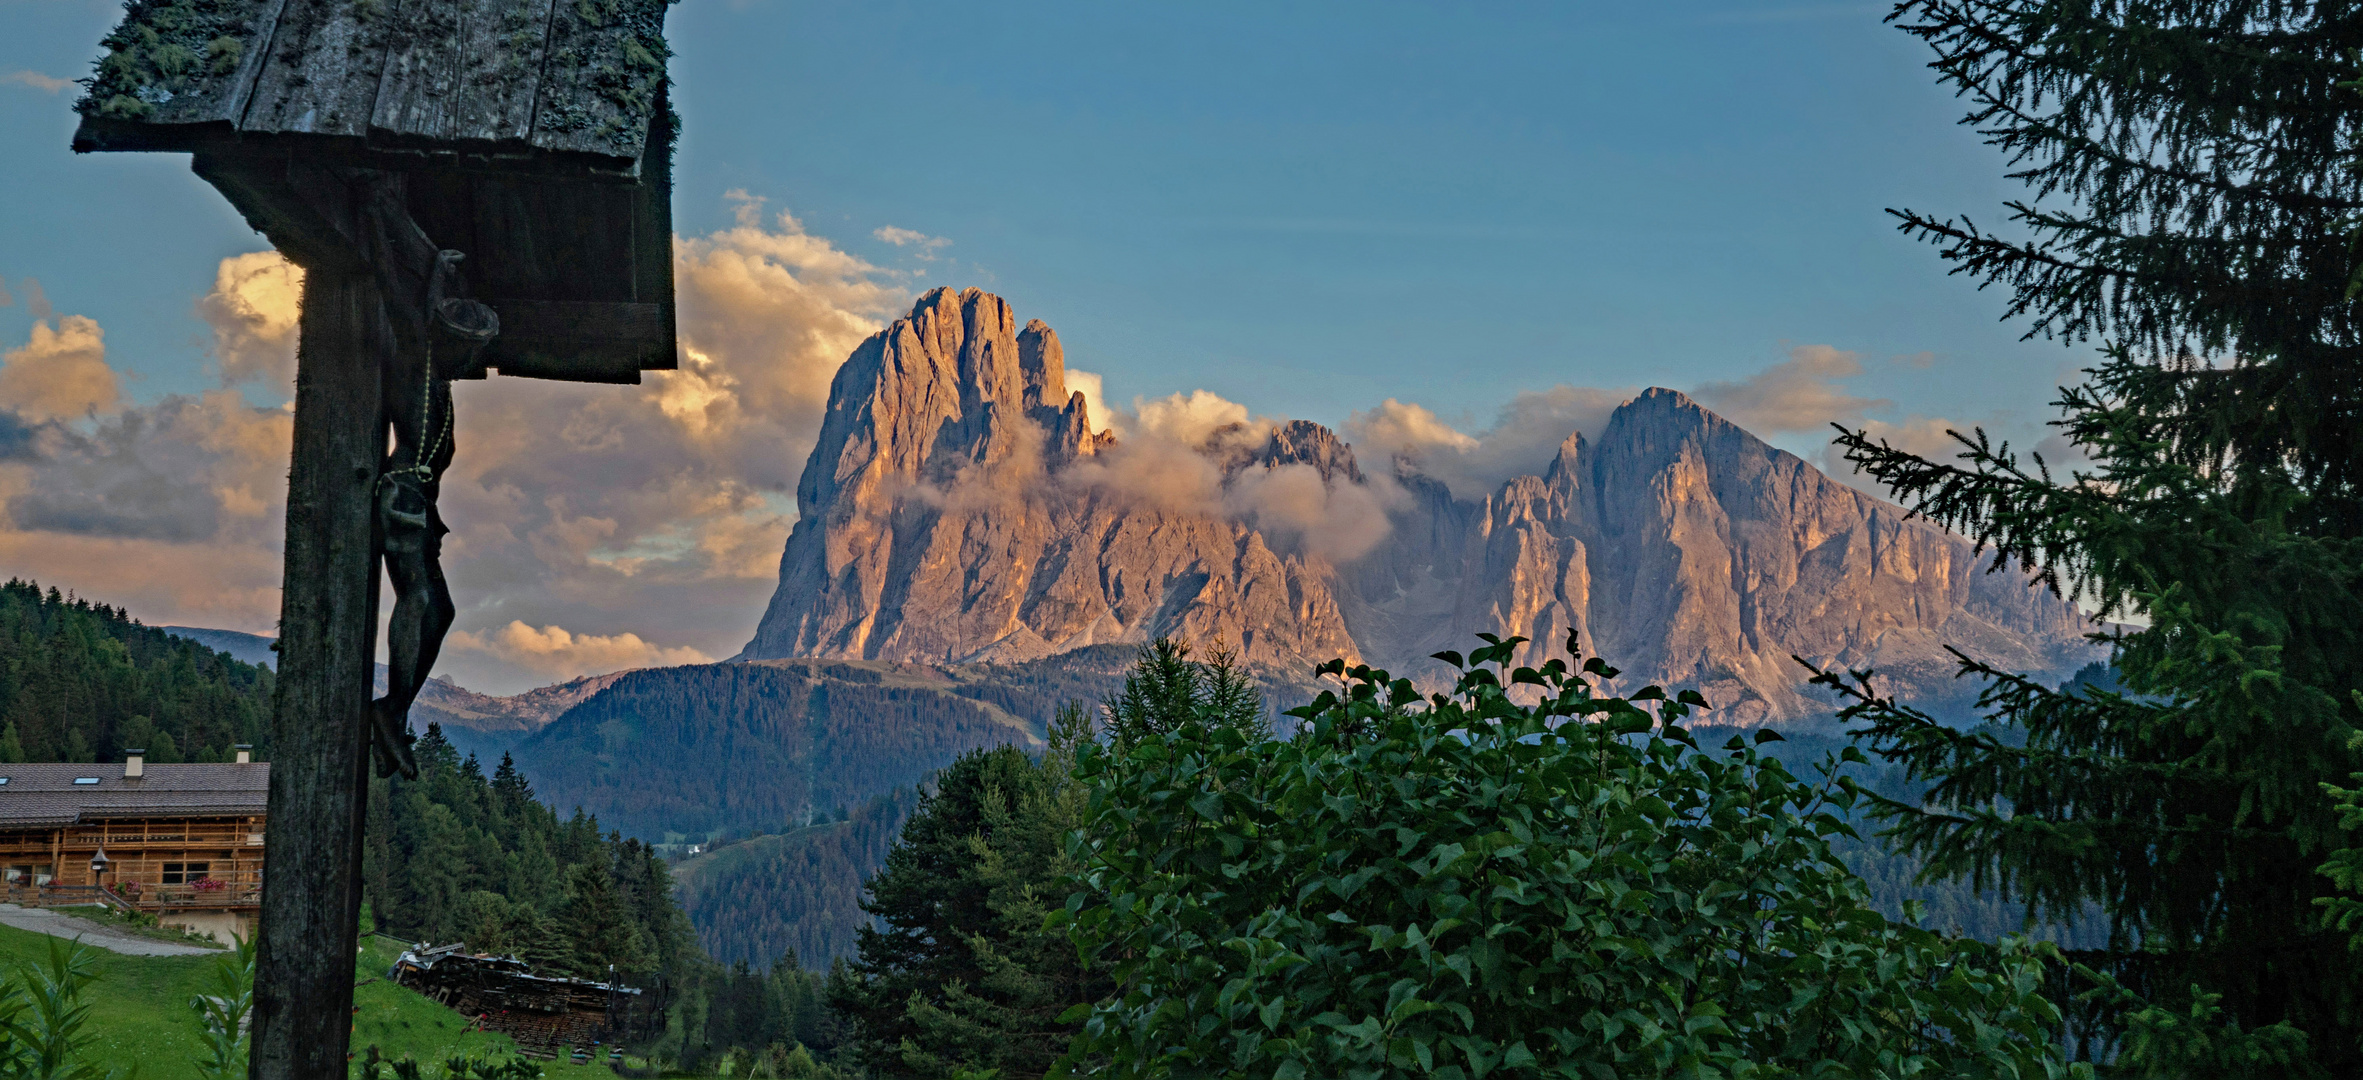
[{"x": 140, "y": 1016}]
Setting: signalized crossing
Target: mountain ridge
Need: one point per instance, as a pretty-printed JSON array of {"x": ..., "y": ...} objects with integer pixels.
[{"x": 960, "y": 505}]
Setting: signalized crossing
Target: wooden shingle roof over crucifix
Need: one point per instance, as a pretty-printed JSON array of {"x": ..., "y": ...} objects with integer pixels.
[
  {"x": 470, "y": 186},
  {"x": 536, "y": 135}
]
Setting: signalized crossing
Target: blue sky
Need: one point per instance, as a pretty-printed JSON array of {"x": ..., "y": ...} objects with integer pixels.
[{"x": 1307, "y": 208}]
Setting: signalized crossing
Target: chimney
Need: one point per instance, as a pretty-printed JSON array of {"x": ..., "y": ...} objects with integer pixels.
[
  {"x": 135, "y": 763},
  {"x": 245, "y": 753}
]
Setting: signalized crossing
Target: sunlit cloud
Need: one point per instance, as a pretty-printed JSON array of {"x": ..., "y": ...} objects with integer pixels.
[
  {"x": 1803, "y": 393},
  {"x": 923, "y": 245},
  {"x": 556, "y": 654},
  {"x": 47, "y": 84}
]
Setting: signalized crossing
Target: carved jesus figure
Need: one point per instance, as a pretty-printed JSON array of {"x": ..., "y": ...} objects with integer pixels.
[{"x": 438, "y": 336}]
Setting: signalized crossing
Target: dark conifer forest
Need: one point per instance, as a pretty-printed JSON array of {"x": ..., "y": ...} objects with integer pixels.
[
  {"x": 730, "y": 747},
  {"x": 81, "y": 681},
  {"x": 773, "y": 899}
]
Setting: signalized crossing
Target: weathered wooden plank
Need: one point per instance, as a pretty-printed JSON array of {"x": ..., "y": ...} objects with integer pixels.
[
  {"x": 306, "y": 211},
  {"x": 173, "y": 63},
  {"x": 560, "y": 239},
  {"x": 580, "y": 342},
  {"x": 328, "y": 623},
  {"x": 652, "y": 227},
  {"x": 320, "y": 76},
  {"x": 601, "y": 80},
  {"x": 467, "y": 71},
  {"x": 554, "y": 320}
]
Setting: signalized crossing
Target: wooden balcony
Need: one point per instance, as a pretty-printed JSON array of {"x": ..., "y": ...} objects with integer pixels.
[{"x": 230, "y": 897}]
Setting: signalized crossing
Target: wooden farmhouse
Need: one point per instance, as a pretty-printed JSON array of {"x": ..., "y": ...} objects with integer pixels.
[{"x": 182, "y": 842}]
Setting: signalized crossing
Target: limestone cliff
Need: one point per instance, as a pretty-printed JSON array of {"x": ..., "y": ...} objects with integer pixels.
[
  {"x": 933, "y": 526},
  {"x": 961, "y": 505}
]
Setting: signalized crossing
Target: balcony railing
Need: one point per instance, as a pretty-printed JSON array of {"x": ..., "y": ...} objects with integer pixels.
[
  {"x": 227, "y": 894},
  {"x": 26, "y": 894}
]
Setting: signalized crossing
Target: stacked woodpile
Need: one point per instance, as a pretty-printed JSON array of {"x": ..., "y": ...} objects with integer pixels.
[{"x": 542, "y": 1013}]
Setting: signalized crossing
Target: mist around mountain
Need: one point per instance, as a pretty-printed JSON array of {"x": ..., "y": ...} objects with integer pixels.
[{"x": 962, "y": 504}]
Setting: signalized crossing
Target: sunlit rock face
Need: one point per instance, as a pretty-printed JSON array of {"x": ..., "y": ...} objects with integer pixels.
[{"x": 961, "y": 505}]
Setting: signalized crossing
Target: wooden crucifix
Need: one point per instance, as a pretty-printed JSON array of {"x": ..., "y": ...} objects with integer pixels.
[{"x": 469, "y": 186}]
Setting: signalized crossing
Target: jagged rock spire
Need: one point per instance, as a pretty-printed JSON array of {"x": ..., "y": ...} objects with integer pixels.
[{"x": 959, "y": 505}]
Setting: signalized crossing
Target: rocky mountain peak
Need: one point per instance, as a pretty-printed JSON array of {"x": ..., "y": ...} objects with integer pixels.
[
  {"x": 948, "y": 513},
  {"x": 1303, "y": 442}
]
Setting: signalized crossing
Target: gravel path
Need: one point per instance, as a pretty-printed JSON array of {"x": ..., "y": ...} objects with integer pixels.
[{"x": 58, "y": 924}]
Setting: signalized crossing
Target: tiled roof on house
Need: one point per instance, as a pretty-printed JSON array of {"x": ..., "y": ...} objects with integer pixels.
[{"x": 48, "y": 794}]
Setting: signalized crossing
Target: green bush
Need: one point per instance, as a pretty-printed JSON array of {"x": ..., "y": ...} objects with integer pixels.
[
  {"x": 43, "y": 1018},
  {"x": 222, "y": 1015},
  {"x": 1464, "y": 886}
]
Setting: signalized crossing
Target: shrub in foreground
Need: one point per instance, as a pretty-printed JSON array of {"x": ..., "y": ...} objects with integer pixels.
[{"x": 1466, "y": 886}]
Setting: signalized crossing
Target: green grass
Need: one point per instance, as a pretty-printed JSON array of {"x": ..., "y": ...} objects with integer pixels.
[
  {"x": 139, "y": 1006},
  {"x": 139, "y": 1013}
]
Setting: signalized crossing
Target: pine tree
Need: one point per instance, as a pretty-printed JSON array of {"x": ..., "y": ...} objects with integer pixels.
[
  {"x": 1166, "y": 689},
  {"x": 961, "y": 974},
  {"x": 510, "y": 784},
  {"x": 598, "y": 926},
  {"x": 2196, "y": 201}
]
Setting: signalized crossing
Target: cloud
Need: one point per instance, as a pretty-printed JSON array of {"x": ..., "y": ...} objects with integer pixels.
[
  {"x": 558, "y": 654},
  {"x": 1525, "y": 436},
  {"x": 1153, "y": 471},
  {"x": 660, "y": 509},
  {"x": 5, "y": 298},
  {"x": 1095, "y": 402},
  {"x": 48, "y": 84},
  {"x": 1294, "y": 507},
  {"x": 1801, "y": 394},
  {"x": 927, "y": 245},
  {"x": 37, "y": 301},
  {"x": 1176, "y": 452},
  {"x": 61, "y": 372},
  {"x": 1192, "y": 420},
  {"x": 174, "y": 509},
  {"x": 186, "y": 469},
  {"x": 252, "y": 309},
  {"x": 645, "y": 522},
  {"x": 1195, "y": 453}
]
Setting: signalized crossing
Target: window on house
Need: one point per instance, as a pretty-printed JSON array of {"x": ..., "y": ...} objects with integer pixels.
[{"x": 182, "y": 873}]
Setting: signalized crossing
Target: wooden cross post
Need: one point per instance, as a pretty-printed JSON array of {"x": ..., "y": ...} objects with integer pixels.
[
  {"x": 327, "y": 648},
  {"x": 378, "y": 146}
]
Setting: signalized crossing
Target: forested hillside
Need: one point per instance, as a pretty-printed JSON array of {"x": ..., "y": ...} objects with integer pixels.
[
  {"x": 729, "y": 749},
  {"x": 455, "y": 855},
  {"x": 81, "y": 681},
  {"x": 796, "y": 895},
  {"x": 734, "y": 747}
]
